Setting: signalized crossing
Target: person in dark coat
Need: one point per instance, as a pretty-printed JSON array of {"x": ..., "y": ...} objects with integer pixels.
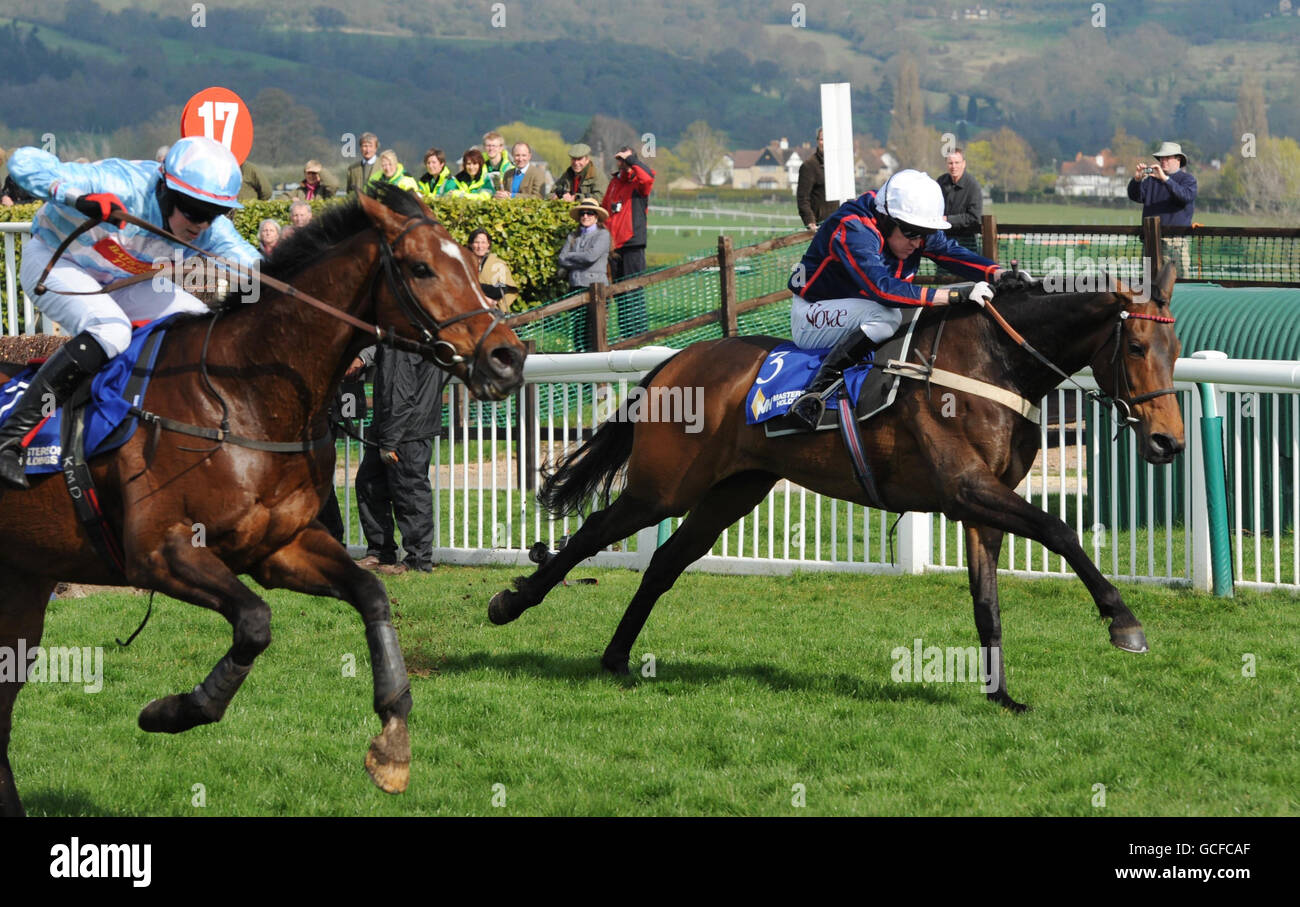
[
  {"x": 810, "y": 197},
  {"x": 1166, "y": 190},
  {"x": 963, "y": 205},
  {"x": 393, "y": 480}
]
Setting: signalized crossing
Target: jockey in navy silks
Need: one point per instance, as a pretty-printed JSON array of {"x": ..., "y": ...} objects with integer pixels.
[
  {"x": 186, "y": 195},
  {"x": 857, "y": 275}
]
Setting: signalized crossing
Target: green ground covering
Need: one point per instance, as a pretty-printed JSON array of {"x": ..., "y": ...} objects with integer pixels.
[{"x": 759, "y": 685}]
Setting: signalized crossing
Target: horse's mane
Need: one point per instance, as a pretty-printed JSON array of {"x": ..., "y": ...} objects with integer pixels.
[
  {"x": 326, "y": 230},
  {"x": 333, "y": 226}
]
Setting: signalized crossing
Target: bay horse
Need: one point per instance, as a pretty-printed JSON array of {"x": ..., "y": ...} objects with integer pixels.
[
  {"x": 965, "y": 465},
  {"x": 275, "y": 365}
]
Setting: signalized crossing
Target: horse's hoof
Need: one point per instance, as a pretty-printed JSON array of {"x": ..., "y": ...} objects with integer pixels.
[
  {"x": 1016, "y": 708},
  {"x": 171, "y": 715},
  {"x": 389, "y": 758},
  {"x": 498, "y": 610},
  {"x": 1130, "y": 639},
  {"x": 616, "y": 665}
]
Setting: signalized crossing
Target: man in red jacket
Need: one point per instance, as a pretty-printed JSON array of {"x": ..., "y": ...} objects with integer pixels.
[{"x": 626, "y": 200}]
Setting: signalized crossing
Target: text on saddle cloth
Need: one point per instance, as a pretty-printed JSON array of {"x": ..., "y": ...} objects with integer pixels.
[{"x": 785, "y": 375}]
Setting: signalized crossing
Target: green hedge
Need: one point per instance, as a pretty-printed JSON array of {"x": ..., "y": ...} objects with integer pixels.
[{"x": 526, "y": 233}]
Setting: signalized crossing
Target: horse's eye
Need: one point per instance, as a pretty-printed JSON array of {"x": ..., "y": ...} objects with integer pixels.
[
  {"x": 421, "y": 270},
  {"x": 1136, "y": 348}
]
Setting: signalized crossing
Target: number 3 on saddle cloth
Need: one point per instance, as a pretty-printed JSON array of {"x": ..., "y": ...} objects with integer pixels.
[
  {"x": 783, "y": 377},
  {"x": 62, "y": 443}
]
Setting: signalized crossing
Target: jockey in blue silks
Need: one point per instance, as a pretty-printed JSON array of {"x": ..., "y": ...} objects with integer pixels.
[
  {"x": 857, "y": 275},
  {"x": 186, "y": 195}
]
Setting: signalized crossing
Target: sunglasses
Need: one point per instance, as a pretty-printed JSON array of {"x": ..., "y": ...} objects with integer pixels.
[
  {"x": 586, "y": 213},
  {"x": 910, "y": 232},
  {"x": 197, "y": 212}
]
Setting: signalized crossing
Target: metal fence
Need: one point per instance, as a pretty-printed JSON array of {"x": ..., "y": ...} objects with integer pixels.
[{"x": 1138, "y": 522}]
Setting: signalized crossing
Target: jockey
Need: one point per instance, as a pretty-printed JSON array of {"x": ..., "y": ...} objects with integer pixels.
[
  {"x": 857, "y": 275},
  {"x": 196, "y": 183}
]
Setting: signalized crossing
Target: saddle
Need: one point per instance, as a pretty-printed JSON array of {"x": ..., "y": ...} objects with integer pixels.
[
  {"x": 96, "y": 419},
  {"x": 876, "y": 392}
]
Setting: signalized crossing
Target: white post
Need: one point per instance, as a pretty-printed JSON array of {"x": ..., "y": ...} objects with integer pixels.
[
  {"x": 914, "y": 542},
  {"x": 837, "y": 141},
  {"x": 647, "y": 543}
]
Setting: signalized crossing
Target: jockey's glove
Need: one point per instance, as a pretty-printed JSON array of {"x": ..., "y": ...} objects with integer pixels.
[
  {"x": 101, "y": 206},
  {"x": 979, "y": 293}
]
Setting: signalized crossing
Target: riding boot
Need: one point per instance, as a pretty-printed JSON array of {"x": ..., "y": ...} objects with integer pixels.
[
  {"x": 62, "y": 373},
  {"x": 851, "y": 348}
]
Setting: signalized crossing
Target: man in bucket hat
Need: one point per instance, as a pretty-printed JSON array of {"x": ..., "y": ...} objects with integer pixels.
[{"x": 1167, "y": 191}]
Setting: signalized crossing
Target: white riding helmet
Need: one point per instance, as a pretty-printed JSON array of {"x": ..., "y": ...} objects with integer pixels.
[{"x": 913, "y": 198}]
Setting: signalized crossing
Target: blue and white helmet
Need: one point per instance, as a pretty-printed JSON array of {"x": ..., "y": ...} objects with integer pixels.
[{"x": 204, "y": 169}]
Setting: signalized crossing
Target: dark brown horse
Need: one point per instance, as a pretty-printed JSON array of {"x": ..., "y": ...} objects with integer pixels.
[
  {"x": 277, "y": 364},
  {"x": 965, "y": 466}
]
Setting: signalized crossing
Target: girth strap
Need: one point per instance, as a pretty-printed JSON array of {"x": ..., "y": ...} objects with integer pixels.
[
  {"x": 81, "y": 485},
  {"x": 221, "y": 436}
]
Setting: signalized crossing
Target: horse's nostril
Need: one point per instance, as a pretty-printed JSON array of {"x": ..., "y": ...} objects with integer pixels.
[
  {"x": 1166, "y": 445},
  {"x": 507, "y": 361}
]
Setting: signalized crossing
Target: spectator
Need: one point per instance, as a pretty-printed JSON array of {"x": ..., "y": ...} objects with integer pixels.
[
  {"x": 811, "y": 195},
  {"x": 963, "y": 204},
  {"x": 586, "y": 252},
  {"x": 359, "y": 174},
  {"x": 268, "y": 236},
  {"x": 255, "y": 184},
  {"x": 1167, "y": 191},
  {"x": 585, "y": 255},
  {"x": 391, "y": 171},
  {"x": 436, "y": 180},
  {"x": 626, "y": 200},
  {"x": 497, "y": 282},
  {"x": 496, "y": 160},
  {"x": 299, "y": 213},
  {"x": 393, "y": 480},
  {"x": 583, "y": 179},
  {"x": 472, "y": 180},
  {"x": 316, "y": 183},
  {"x": 523, "y": 180}
]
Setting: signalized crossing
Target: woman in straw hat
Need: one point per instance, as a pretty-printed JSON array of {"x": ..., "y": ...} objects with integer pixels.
[{"x": 586, "y": 252}]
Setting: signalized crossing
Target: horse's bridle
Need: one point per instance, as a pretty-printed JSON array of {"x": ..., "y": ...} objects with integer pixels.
[
  {"x": 1121, "y": 399},
  {"x": 424, "y": 324},
  {"x": 1121, "y": 402}
]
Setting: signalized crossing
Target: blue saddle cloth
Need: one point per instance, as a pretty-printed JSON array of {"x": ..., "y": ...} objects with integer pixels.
[
  {"x": 785, "y": 375},
  {"x": 108, "y": 409}
]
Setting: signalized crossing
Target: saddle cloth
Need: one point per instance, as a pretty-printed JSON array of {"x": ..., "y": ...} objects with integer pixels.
[
  {"x": 113, "y": 391},
  {"x": 784, "y": 376}
]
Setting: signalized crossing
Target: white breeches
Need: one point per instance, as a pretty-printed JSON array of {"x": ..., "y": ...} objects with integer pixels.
[
  {"x": 107, "y": 317},
  {"x": 817, "y": 325}
]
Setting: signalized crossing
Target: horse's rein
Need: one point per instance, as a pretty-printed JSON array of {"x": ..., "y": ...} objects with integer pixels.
[
  {"x": 1123, "y": 405},
  {"x": 381, "y": 335}
]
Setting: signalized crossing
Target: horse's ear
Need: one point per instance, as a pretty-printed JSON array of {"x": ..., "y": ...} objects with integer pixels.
[
  {"x": 1121, "y": 288},
  {"x": 1165, "y": 283},
  {"x": 385, "y": 219}
]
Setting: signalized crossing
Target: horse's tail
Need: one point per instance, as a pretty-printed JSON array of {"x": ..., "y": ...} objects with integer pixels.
[{"x": 581, "y": 473}]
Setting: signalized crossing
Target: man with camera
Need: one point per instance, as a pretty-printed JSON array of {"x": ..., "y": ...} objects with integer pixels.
[{"x": 1167, "y": 191}]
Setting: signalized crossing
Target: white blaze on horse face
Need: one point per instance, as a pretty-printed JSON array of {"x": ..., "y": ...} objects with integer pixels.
[{"x": 451, "y": 250}]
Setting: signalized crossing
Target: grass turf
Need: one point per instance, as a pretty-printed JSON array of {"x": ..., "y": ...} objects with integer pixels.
[{"x": 760, "y": 684}]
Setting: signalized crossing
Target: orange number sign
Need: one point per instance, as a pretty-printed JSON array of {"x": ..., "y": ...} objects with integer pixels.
[{"x": 220, "y": 114}]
